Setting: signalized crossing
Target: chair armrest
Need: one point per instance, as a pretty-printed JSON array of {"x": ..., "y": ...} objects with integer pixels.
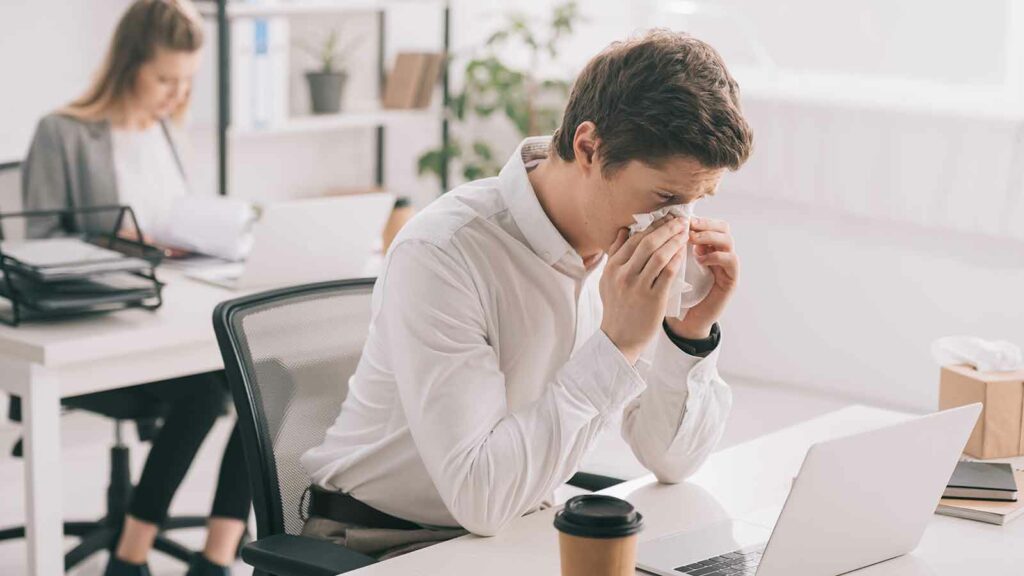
[
  {"x": 593, "y": 482},
  {"x": 288, "y": 555}
]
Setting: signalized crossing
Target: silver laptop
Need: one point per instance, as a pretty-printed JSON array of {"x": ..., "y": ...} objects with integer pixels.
[
  {"x": 307, "y": 241},
  {"x": 858, "y": 500}
]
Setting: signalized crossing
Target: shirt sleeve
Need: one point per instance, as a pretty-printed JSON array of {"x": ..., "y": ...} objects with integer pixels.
[
  {"x": 675, "y": 424},
  {"x": 489, "y": 464}
]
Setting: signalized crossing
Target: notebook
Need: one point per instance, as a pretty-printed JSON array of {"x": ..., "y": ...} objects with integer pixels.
[
  {"x": 982, "y": 481},
  {"x": 983, "y": 510}
]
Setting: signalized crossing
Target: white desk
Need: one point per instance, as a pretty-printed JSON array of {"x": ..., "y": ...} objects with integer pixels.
[
  {"x": 749, "y": 481},
  {"x": 43, "y": 362}
]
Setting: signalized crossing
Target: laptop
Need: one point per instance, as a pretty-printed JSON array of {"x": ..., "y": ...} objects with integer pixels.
[
  {"x": 307, "y": 241},
  {"x": 858, "y": 500}
]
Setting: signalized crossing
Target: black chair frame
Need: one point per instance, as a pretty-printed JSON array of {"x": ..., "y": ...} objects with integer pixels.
[{"x": 274, "y": 551}]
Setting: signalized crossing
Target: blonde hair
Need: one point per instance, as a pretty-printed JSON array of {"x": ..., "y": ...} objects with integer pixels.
[{"x": 145, "y": 27}]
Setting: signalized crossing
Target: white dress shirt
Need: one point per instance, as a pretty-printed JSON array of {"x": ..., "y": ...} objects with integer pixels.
[
  {"x": 148, "y": 176},
  {"x": 485, "y": 377}
]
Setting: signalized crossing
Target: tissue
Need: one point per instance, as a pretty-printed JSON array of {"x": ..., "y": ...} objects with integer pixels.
[
  {"x": 984, "y": 355},
  {"x": 694, "y": 281}
]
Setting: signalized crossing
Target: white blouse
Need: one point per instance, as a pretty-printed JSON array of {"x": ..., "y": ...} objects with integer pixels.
[{"x": 148, "y": 175}]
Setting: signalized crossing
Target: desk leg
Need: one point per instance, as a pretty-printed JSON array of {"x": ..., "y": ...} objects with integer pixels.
[{"x": 43, "y": 498}]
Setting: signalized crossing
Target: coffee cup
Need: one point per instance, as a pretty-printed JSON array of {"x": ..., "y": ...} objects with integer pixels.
[{"x": 597, "y": 536}]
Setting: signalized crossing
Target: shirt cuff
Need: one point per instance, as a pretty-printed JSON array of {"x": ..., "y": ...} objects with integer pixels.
[
  {"x": 599, "y": 372},
  {"x": 674, "y": 368},
  {"x": 700, "y": 348}
]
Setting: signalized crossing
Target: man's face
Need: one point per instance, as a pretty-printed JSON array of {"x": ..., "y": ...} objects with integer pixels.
[{"x": 638, "y": 188}]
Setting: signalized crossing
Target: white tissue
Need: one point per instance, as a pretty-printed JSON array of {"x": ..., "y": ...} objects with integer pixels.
[
  {"x": 694, "y": 281},
  {"x": 984, "y": 355},
  {"x": 211, "y": 225}
]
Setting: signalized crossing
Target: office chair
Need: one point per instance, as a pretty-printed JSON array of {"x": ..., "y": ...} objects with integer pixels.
[
  {"x": 122, "y": 406},
  {"x": 288, "y": 355}
]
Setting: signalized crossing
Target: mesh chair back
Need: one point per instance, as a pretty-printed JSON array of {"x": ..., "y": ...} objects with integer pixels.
[{"x": 288, "y": 355}]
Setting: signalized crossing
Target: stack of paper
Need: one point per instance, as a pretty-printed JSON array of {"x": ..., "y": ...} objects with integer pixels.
[{"x": 67, "y": 258}]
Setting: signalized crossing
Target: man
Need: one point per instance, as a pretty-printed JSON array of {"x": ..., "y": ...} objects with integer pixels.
[{"x": 510, "y": 318}]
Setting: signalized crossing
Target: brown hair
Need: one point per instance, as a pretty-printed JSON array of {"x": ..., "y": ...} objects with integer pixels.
[
  {"x": 660, "y": 95},
  {"x": 146, "y": 26}
]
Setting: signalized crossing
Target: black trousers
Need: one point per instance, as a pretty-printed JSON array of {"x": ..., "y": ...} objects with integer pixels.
[{"x": 189, "y": 406}]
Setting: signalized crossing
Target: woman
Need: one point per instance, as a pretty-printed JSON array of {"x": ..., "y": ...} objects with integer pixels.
[{"x": 114, "y": 146}]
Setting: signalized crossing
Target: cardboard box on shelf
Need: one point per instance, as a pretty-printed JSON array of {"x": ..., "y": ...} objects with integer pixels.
[{"x": 999, "y": 432}]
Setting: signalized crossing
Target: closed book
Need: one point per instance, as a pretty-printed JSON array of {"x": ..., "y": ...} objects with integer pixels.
[
  {"x": 982, "y": 481},
  {"x": 983, "y": 510},
  {"x": 279, "y": 42},
  {"x": 261, "y": 74},
  {"x": 403, "y": 83},
  {"x": 242, "y": 35},
  {"x": 428, "y": 80}
]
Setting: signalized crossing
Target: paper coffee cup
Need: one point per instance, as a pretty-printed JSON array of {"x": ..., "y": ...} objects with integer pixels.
[{"x": 597, "y": 536}]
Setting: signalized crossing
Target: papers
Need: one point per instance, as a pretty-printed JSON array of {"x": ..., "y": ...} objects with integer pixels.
[
  {"x": 210, "y": 225},
  {"x": 67, "y": 258}
]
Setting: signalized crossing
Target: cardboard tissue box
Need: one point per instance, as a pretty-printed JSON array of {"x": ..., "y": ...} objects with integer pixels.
[{"x": 999, "y": 432}]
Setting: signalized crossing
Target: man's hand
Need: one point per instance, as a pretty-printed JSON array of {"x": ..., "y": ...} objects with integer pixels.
[
  {"x": 714, "y": 248},
  {"x": 637, "y": 277}
]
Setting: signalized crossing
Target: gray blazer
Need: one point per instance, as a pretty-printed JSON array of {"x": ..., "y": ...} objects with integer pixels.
[{"x": 71, "y": 165}]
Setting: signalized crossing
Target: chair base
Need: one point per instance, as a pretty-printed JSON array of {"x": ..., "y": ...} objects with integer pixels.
[{"x": 103, "y": 535}]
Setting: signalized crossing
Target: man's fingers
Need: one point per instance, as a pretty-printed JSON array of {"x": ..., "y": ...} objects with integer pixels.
[
  {"x": 669, "y": 273},
  {"x": 626, "y": 251},
  {"x": 700, "y": 224},
  {"x": 726, "y": 260},
  {"x": 653, "y": 241},
  {"x": 661, "y": 257},
  {"x": 714, "y": 239}
]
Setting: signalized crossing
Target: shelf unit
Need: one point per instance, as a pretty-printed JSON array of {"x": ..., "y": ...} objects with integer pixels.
[{"x": 223, "y": 11}]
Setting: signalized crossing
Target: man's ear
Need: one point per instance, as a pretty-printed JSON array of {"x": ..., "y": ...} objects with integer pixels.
[{"x": 584, "y": 144}]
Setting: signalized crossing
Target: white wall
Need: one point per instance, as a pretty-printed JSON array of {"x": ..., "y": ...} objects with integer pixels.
[{"x": 48, "y": 52}]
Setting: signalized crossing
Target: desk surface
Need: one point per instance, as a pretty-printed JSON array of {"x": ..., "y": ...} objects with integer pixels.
[
  {"x": 185, "y": 317},
  {"x": 749, "y": 481}
]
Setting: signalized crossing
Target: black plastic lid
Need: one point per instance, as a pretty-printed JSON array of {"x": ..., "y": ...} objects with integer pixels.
[{"x": 598, "y": 516}]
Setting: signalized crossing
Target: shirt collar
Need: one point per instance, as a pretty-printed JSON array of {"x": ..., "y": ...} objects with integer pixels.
[{"x": 541, "y": 235}]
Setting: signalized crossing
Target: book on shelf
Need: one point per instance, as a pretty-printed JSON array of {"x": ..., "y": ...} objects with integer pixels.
[
  {"x": 259, "y": 71},
  {"x": 410, "y": 85}
]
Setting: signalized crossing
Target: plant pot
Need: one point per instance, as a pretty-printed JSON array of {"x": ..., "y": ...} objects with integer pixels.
[{"x": 325, "y": 90}]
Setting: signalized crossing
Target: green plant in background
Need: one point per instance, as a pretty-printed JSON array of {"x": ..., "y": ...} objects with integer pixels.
[
  {"x": 329, "y": 54},
  {"x": 491, "y": 86}
]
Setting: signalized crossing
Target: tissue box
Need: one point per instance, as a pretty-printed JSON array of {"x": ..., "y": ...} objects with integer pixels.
[{"x": 999, "y": 432}]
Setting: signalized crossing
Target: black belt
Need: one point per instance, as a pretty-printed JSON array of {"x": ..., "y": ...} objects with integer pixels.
[{"x": 341, "y": 507}]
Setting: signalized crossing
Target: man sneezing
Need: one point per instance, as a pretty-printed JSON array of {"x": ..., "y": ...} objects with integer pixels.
[{"x": 516, "y": 317}]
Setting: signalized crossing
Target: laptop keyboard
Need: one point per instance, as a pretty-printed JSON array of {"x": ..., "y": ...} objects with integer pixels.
[{"x": 739, "y": 563}]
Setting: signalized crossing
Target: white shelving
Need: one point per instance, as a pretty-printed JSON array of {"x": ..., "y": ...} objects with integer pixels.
[
  {"x": 306, "y": 7},
  {"x": 358, "y": 118}
]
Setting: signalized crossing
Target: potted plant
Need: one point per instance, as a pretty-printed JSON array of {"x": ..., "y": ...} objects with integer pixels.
[
  {"x": 532, "y": 105},
  {"x": 327, "y": 82}
]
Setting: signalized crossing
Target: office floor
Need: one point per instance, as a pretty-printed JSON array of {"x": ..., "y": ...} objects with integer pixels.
[{"x": 758, "y": 409}]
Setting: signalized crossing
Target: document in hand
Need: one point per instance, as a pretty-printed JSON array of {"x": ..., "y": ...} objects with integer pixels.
[{"x": 210, "y": 225}]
